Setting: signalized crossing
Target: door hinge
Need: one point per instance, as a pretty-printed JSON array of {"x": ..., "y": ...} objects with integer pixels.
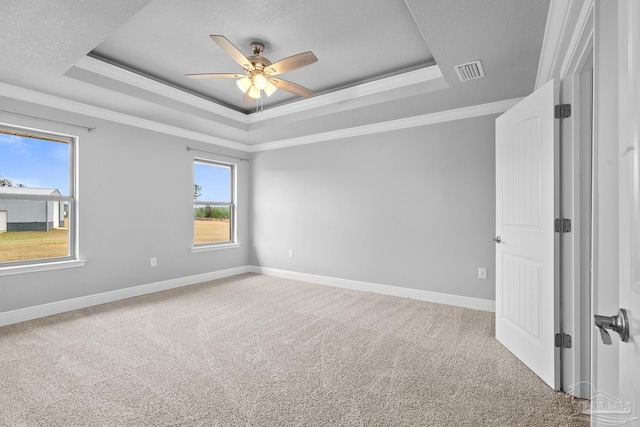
[
  {"x": 562, "y": 111},
  {"x": 563, "y": 340},
  {"x": 562, "y": 225}
]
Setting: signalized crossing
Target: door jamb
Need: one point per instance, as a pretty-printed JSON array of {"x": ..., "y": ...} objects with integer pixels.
[{"x": 566, "y": 50}]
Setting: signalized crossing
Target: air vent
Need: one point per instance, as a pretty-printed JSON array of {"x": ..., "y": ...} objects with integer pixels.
[{"x": 469, "y": 71}]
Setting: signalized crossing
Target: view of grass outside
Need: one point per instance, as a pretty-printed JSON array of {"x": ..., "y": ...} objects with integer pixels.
[
  {"x": 34, "y": 165},
  {"x": 31, "y": 245},
  {"x": 211, "y": 230},
  {"x": 212, "y": 202}
]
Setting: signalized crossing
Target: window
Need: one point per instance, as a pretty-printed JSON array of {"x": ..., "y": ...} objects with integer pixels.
[
  {"x": 213, "y": 203},
  {"x": 37, "y": 197}
]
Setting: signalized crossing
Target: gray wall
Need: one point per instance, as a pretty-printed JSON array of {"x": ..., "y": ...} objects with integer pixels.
[
  {"x": 412, "y": 208},
  {"x": 135, "y": 198}
]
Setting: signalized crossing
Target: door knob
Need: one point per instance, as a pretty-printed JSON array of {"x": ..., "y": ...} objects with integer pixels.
[
  {"x": 498, "y": 239},
  {"x": 618, "y": 323}
]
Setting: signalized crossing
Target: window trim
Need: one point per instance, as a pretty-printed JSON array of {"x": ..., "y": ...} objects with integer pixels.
[
  {"x": 233, "y": 241},
  {"x": 71, "y": 260},
  {"x": 44, "y": 266}
]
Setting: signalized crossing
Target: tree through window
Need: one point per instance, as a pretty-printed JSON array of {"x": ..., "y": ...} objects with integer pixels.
[{"x": 213, "y": 204}]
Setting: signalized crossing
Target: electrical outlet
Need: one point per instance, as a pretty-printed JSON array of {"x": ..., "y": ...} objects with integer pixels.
[
  {"x": 482, "y": 273},
  {"x": 154, "y": 262},
  {"x": 290, "y": 253}
]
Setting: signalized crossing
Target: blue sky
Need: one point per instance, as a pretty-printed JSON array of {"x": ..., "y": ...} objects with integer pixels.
[
  {"x": 215, "y": 182},
  {"x": 34, "y": 162}
]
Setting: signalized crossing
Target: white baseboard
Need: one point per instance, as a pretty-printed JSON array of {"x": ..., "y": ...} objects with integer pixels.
[
  {"x": 457, "y": 300},
  {"x": 35, "y": 312}
]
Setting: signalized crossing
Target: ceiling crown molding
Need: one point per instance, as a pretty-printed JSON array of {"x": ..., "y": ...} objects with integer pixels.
[
  {"x": 391, "y": 125},
  {"x": 122, "y": 75},
  {"x": 52, "y": 101},
  {"x": 429, "y": 75},
  {"x": 410, "y": 78}
]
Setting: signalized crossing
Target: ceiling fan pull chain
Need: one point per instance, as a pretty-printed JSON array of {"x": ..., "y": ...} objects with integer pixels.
[{"x": 260, "y": 103}]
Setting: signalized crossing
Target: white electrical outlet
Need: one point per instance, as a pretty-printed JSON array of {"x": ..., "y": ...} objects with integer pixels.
[
  {"x": 482, "y": 273},
  {"x": 290, "y": 253},
  {"x": 154, "y": 262}
]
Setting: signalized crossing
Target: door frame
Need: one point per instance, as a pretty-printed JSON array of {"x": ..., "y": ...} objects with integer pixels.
[{"x": 567, "y": 54}]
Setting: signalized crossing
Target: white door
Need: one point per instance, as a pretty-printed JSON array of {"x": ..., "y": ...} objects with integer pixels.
[
  {"x": 3, "y": 221},
  {"x": 525, "y": 200},
  {"x": 616, "y": 374},
  {"x": 629, "y": 232}
]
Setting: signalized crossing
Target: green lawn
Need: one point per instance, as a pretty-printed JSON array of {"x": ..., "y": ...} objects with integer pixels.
[{"x": 24, "y": 245}]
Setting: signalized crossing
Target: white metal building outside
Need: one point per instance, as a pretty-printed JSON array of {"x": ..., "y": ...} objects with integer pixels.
[{"x": 30, "y": 215}]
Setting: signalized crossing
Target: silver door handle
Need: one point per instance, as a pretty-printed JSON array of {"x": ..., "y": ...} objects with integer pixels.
[
  {"x": 498, "y": 239},
  {"x": 618, "y": 323}
]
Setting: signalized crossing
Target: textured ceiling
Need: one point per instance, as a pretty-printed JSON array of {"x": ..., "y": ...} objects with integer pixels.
[
  {"x": 46, "y": 32},
  {"x": 355, "y": 41},
  {"x": 378, "y": 60}
]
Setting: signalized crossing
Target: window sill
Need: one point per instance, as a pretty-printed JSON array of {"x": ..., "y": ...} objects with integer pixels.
[
  {"x": 45, "y": 266},
  {"x": 197, "y": 249}
]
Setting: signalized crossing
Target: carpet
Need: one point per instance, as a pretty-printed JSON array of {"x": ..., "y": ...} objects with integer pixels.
[{"x": 253, "y": 350}]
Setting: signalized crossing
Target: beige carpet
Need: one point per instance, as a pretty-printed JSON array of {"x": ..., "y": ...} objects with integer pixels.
[{"x": 253, "y": 350}]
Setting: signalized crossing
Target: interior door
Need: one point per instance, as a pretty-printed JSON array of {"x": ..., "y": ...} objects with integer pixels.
[
  {"x": 629, "y": 147},
  {"x": 526, "y": 314},
  {"x": 616, "y": 388}
]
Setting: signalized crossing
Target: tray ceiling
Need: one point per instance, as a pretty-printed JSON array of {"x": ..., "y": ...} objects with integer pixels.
[
  {"x": 354, "y": 43},
  {"x": 379, "y": 61}
]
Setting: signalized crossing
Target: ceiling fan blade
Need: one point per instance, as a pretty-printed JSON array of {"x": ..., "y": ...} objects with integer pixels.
[
  {"x": 215, "y": 76},
  {"x": 292, "y": 87},
  {"x": 232, "y": 51},
  {"x": 291, "y": 63}
]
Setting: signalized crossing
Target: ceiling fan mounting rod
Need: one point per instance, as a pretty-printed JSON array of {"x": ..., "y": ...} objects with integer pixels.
[{"x": 257, "y": 48}]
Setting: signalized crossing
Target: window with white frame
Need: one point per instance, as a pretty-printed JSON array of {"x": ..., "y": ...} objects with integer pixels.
[
  {"x": 213, "y": 203},
  {"x": 37, "y": 197}
]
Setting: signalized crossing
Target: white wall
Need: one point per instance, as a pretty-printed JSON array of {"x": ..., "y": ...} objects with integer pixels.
[
  {"x": 413, "y": 208},
  {"x": 135, "y": 200}
]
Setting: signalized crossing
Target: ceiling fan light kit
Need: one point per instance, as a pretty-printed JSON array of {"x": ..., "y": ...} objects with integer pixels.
[
  {"x": 259, "y": 71},
  {"x": 260, "y": 81},
  {"x": 270, "y": 88},
  {"x": 244, "y": 84}
]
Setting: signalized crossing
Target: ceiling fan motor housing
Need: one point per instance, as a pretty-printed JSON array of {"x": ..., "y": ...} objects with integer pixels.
[{"x": 259, "y": 62}]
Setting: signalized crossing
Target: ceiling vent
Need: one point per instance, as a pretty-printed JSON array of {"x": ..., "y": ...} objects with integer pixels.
[{"x": 469, "y": 71}]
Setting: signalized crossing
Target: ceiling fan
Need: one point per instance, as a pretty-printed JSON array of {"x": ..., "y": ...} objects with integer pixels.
[{"x": 259, "y": 71}]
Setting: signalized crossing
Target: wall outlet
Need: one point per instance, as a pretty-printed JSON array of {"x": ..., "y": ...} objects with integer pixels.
[
  {"x": 290, "y": 253},
  {"x": 154, "y": 262},
  {"x": 482, "y": 273}
]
